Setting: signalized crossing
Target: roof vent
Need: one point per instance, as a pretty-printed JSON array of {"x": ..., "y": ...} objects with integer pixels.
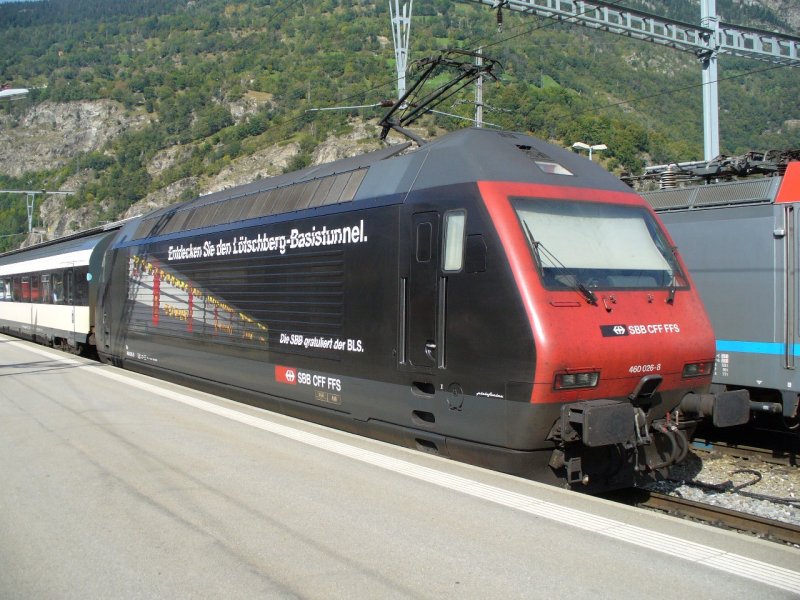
[
  {"x": 543, "y": 161},
  {"x": 534, "y": 154}
]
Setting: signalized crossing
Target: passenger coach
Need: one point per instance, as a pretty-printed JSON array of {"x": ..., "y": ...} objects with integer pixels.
[{"x": 44, "y": 291}]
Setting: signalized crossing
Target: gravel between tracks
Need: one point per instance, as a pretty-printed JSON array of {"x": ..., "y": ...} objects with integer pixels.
[{"x": 777, "y": 481}]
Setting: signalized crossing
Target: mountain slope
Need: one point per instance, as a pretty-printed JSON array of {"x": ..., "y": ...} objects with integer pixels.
[{"x": 152, "y": 101}]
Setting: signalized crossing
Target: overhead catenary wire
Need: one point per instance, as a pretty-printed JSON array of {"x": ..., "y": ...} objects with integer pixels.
[{"x": 597, "y": 107}]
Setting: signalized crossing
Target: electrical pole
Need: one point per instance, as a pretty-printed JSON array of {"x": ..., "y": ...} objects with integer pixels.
[
  {"x": 401, "y": 35},
  {"x": 705, "y": 41},
  {"x": 30, "y": 200},
  {"x": 709, "y": 20},
  {"x": 479, "y": 90}
]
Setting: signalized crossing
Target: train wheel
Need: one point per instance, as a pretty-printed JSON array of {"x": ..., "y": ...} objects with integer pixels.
[{"x": 792, "y": 423}]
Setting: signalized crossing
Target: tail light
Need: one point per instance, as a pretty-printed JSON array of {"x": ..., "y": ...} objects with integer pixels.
[
  {"x": 698, "y": 369},
  {"x": 571, "y": 381}
]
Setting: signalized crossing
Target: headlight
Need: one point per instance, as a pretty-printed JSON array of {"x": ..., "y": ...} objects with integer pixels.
[
  {"x": 698, "y": 369},
  {"x": 571, "y": 381}
]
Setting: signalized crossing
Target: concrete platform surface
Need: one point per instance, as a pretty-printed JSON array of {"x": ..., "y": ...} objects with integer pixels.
[{"x": 115, "y": 485}]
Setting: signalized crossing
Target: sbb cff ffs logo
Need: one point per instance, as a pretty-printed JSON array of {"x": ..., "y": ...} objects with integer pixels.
[
  {"x": 285, "y": 375},
  {"x": 619, "y": 330},
  {"x": 292, "y": 376}
]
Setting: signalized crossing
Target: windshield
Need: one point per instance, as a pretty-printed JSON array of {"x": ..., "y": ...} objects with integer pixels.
[{"x": 597, "y": 246}]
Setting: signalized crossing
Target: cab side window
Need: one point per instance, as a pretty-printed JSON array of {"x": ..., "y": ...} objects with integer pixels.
[{"x": 455, "y": 222}]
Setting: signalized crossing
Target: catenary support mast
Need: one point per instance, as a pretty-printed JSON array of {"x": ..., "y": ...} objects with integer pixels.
[
  {"x": 401, "y": 35},
  {"x": 706, "y": 41}
]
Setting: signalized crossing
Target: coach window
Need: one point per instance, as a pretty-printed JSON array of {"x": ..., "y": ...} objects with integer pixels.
[
  {"x": 5, "y": 290},
  {"x": 16, "y": 288},
  {"x": 58, "y": 289},
  {"x": 26, "y": 288},
  {"x": 454, "y": 226},
  {"x": 35, "y": 296},
  {"x": 47, "y": 292},
  {"x": 81, "y": 286},
  {"x": 69, "y": 287}
]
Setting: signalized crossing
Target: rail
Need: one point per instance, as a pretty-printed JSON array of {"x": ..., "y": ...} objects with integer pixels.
[
  {"x": 775, "y": 456},
  {"x": 770, "y": 529}
]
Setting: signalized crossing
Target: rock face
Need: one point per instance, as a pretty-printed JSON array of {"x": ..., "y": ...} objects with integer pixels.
[
  {"x": 789, "y": 10},
  {"x": 363, "y": 138},
  {"x": 50, "y": 134},
  {"x": 261, "y": 164},
  {"x": 267, "y": 162},
  {"x": 162, "y": 197},
  {"x": 58, "y": 220}
]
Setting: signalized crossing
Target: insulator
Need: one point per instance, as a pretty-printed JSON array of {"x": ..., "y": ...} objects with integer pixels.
[
  {"x": 669, "y": 178},
  {"x": 499, "y": 18}
]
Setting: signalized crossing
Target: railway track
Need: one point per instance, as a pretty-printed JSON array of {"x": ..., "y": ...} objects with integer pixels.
[
  {"x": 770, "y": 529},
  {"x": 754, "y": 441},
  {"x": 772, "y": 456}
]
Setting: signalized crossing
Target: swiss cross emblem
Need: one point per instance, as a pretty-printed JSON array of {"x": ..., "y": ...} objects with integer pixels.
[{"x": 285, "y": 374}]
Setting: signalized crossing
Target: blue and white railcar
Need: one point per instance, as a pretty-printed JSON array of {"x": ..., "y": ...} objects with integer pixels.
[
  {"x": 741, "y": 242},
  {"x": 44, "y": 290}
]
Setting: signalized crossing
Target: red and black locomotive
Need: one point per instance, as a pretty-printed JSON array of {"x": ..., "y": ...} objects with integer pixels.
[{"x": 487, "y": 297}]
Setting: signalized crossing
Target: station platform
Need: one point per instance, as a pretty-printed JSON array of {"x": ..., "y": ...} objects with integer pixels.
[{"x": 119, "y": 485}]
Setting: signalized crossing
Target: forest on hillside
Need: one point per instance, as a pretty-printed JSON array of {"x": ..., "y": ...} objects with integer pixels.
[{"x": 184, "y": 62}]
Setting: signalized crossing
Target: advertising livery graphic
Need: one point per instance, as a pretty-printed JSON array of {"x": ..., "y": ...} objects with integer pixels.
[
  {"x": 219, "y": 286},
  {"x": 263, "y": 243},
  {"x": 165, "y": 299}
]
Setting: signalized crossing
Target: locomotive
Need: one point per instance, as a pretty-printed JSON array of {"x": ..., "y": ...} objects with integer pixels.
[
  {"x": 487, "y": 297},
  {"x": 740, "y": 240}
]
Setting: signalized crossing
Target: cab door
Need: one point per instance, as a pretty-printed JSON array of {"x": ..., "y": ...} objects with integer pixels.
[
  {"x": 436, "y": 251},
  {"x": 422, "y": 297}
]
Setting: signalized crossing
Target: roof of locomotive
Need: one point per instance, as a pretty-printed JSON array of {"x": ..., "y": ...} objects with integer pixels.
[
  {"x": 464, "y": 156},
  {"x": 470, "y": 155}
]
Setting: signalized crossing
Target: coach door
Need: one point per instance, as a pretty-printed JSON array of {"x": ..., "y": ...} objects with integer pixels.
[
  {"x": 69, "y": 298},
  {"x": 423, "y": 338},
  {"x": 791, "y": 300}
]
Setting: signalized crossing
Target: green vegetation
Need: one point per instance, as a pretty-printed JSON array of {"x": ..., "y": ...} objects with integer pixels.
[{"x": 183, "y": 63}]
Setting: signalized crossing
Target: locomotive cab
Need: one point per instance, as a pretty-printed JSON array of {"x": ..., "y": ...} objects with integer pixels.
[{"x": 624, "y": 350}]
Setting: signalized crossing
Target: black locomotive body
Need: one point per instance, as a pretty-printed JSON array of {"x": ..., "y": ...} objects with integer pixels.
[{"x": 343, "y": 315}]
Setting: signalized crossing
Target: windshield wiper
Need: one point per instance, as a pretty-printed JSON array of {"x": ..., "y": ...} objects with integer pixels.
[{"x": 588, "y": 294}]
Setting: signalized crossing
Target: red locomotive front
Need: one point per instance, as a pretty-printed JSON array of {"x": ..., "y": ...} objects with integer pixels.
[{"x": 622, "y": 342}]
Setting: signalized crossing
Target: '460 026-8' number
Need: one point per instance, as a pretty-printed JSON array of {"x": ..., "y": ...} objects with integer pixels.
[{"x": 652, "y": 368}]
